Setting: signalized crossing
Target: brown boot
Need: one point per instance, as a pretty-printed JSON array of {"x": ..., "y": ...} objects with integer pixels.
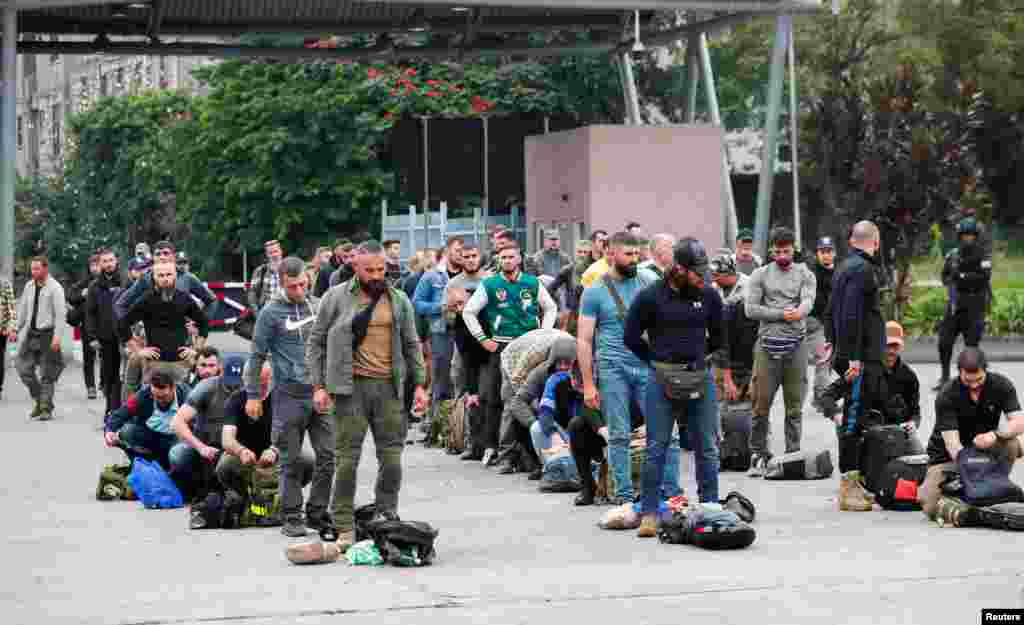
[
  {"x": 648, "y": 527},
  {"x": 852, "y": 497}
]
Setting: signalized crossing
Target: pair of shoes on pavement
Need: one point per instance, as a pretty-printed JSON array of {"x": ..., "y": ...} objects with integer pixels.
[
  {"x": 490, "y": 457},
  {"x": 43, "y": 411}
]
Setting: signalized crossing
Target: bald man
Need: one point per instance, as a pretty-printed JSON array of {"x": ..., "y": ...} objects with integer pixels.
[{"x": 855, "y": 332}]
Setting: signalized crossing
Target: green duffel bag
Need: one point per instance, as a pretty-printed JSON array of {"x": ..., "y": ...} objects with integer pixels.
[
  {"x": 263, "y": 505},
  {"x": 113, "y": 483}
]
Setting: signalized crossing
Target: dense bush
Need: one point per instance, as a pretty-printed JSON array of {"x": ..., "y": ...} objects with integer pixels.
[{"x": 927, "y": 308}]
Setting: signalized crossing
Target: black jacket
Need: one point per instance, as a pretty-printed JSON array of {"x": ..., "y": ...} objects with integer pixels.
[
  {"x": 824, "y": 289},
  {"x": 853, "y": 319},
  {"x": 682, "y": 327},
  {"x": 740, "y": 337},
  {"x": 99, "y": 308},
  {"x": 165, "y": 322},
  {"x": 901, "y": 384}
]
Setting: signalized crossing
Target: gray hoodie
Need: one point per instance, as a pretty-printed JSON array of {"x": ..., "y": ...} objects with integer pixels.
[{"x": 282, "y": 329}]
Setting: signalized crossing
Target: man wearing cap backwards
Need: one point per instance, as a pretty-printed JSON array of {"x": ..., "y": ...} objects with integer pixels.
[
  {"x": 899, "y": 403},
  {"x": 966, "y": 274},
  {"x": 682, "y": 317},
  {"x": 779, "y": 296},
  {"x": 823, "y": 270},
  {"x": 744, "y": 257}
]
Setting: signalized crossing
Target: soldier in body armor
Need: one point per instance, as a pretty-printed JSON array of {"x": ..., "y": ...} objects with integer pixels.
[{"x": 966, "y": 275}]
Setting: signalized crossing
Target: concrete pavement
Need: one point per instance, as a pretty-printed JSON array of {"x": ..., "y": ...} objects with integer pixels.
[{"x": 507, "y": 554}]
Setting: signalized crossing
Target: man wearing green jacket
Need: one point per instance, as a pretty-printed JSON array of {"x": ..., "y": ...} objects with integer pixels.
[
  {"x": 511, "y": 304},
  {"x": 362, "y": 347}
]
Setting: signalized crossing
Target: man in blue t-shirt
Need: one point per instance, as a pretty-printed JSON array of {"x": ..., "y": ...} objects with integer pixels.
[{"x": 622, "y": 378}]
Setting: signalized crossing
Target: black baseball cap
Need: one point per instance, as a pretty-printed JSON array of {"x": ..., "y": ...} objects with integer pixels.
[{"x": 826, "y": 243}]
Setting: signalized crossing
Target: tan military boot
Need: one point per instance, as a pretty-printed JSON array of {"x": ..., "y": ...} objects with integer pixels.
[{"x": 852, "y": 496}]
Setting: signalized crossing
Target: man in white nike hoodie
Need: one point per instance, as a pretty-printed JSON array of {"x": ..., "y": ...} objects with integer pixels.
[{"x": 282, "y": 329}]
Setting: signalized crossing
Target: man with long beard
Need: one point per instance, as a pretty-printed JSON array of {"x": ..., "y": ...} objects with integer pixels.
[{"x": 360, "y": 350}]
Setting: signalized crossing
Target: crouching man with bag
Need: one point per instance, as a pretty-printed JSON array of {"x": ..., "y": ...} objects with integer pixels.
[
  {"x": 967, "y": 414},
  {"x": 248, "y": 452}
]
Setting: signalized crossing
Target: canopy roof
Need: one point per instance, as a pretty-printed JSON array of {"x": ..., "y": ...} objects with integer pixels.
[{"x": 147, "y": 21}]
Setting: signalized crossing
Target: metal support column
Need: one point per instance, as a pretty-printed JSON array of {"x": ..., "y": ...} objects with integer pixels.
[
  {"x": 783, "y": 24},
  {"x": 794, "y": 140},
  {"x": 728, "y": 202},
  {"x": 693, "y": 77},
  {"x": 426, "y": 182},
  {"x": 9, "y": 130},
  {"x": 629, "y": 89}
]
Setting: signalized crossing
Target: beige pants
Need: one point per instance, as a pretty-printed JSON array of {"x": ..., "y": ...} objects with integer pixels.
[{"x": 931, "y": 490}]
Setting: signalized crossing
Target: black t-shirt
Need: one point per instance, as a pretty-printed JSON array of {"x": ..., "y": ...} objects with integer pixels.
[
  {"x": 954, "y": 410},
  {"x": 252, "y": 434}
]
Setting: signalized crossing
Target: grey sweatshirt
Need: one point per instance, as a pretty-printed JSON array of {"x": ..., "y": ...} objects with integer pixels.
[
  {"x": 771, "y": 290},
  {"x": 282, "y": 329}
]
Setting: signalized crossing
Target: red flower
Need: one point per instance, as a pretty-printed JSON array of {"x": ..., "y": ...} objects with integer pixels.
[
  {"x": 389, "y": 115},
  {"x": 432, "y": 94},
  {"x": 394, "y": 92},
  {"x": 433, "y": 83},
  {"x": 372, "y": 73},
  {"x": 481, "y": 105},
  {"x": 410, "y": 72}
]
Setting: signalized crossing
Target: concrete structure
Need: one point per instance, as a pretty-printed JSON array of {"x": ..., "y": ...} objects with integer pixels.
[
  {"x": 604, "y": 176},
  {"x": 53, "y": 86}
]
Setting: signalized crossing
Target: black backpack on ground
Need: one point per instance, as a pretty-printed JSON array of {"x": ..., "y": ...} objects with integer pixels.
[
  {"x": 985, "y": 478},
  {"x": 881, "y": 445},
  {"x": 715, "y": 530},
  {"x": 897, "y": 487},
  {"x": 404, "y": 543},
  {"x": 217, "y": 511},
  {"x": 735, "y": 452},
  {"x": 1004, "y": 516}
]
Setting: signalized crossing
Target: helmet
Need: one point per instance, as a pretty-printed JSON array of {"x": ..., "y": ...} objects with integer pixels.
[
  {"x": 967, "y": 226},
  {"x": 690, "y": 253},
  {"x": 723, "y": 264}
]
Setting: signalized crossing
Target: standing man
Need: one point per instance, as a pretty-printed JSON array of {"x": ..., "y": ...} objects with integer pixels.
[
  {"x": 265, "y": 282},
  {"x": 8, "y": 324},
  {"x": 620, "y": 378},
  {"x": 393, "y": 250},
  {"x": 345, "y": 271},
  {"x": 186, "y": 282},
  {"x": 823, "y": 269},
  {"x": 599, "y": 241},
  {"x": 551, "y": 260},
  {"x": 661, "y": 254},
  {"x": 103, "y": 330},
  {"x": 282, "y": 329},
  {"x": 744, "y": 257},
  {"x": 42, "y": 321},
  {"x": 966, "y": 274},
  {"x": 429, "y": 301},
  {"x": 76, "y": 303},
  {"x": 779, "y": 296},
  {"x": 683, "y": 320},
  {"x": 511, "y": 303},
  {"x": 855, "y": 335},
  {"x": 361, "y": 348}
]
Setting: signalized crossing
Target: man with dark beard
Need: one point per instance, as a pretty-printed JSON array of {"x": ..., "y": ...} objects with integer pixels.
[
  {"x": 622, "y": 378},
  {"x": 164, "y": 311},
  {"x": 511, "y": 303},
  {"x": 360, "y": 350},
  {"x": 102, "y": 327}
]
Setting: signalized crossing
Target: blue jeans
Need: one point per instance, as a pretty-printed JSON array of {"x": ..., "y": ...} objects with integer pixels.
[
  {"x": 620, "y": 385},
  {"x": 702, "y": 419},
  {"x": 178, "y": 457},
  {"x": 542, "y": 441},
  {"x": 441, "y": 363}
]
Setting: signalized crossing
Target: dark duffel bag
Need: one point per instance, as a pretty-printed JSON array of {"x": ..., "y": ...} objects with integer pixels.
[
  {"x": 897, "y": 488},
  {"x": 800, "y": 465},
  {"x": 736, "y": 424},
  {"x": 881, "y": 445},
  {"x": 1003, "y": 516}
]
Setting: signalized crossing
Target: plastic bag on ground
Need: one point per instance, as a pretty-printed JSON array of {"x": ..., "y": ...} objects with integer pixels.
[
  {"x": 623, "y": 517},
  {"x": 152, "y": 485},
  {"x": 364, "y": 553}
]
